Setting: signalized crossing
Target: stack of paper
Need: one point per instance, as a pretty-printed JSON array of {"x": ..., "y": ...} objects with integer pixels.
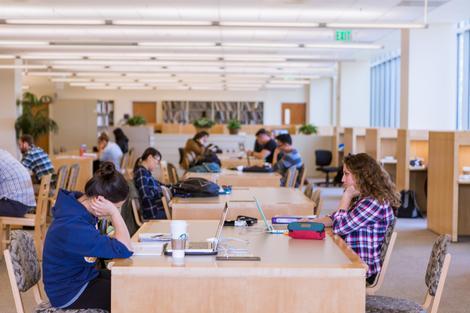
[{"x": 147, "y": 248}]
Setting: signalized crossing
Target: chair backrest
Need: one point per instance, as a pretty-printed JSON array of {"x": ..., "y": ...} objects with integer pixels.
[
  {"x": 308, "y": 190},
  {"x": 385, "y": 254},
  {"x": 172, "y": 174},
  {"x": 42, "y": 203},
  {"x": 188, "y": 159},
  {"x": 436, "y": 272},
  {"x": 316, "y": 197},
  {"x": 166, "y": 201},
  {"x": 291, "y": 177},
  {"x": 323, "y": 157},
  {"x": 73, "y": 177},
  {"x": 124, "y": 161},
  {"x": 62, "y": 178},
  {"x": 135, "y": 203},
  {"x": 181, "y": 154},
  {"x": 23, "y": 267},
  {"x": 130, "y": 159},
  {"x": 164, "y": 171},
  {"x": 301, "y": 173}
]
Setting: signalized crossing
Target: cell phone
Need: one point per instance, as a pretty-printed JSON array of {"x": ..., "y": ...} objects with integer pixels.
[{"x": 237, "y": 258}]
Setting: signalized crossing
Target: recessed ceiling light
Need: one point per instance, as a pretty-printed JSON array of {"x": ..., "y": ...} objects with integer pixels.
[{"x": 161, "y": 23}]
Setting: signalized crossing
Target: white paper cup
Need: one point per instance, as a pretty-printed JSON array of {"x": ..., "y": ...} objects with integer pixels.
[
  {"x": 240, "y": 168},
  {"x": 179, "y": 229}
]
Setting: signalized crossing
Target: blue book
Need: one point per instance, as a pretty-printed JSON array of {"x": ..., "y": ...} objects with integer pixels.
[{"x": 286, "y": 219}]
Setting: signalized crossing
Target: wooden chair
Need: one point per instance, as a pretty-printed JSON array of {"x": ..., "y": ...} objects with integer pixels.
[
  {"x": 61, "y": 183},
  {"x": 24, "y": 273},
  {"x": 316, "y": 197},
  {"x": 172, "y": 174},
  {"x": 135, "y": 203},
  {"x": 301, "y": 173},
  {"x": 73, "y": 177},
  {"x": 124, "y": 162},
  {"x": 166, "y": 201},
  {"x": 308, "y": 190},
  {"x": 435, "y": 278},
  {"x": 385, "y": 254},
  {"x": 38, "y": 220},
  {"x": 164, "y": 172},
  {"x": 291, "y": 177}
]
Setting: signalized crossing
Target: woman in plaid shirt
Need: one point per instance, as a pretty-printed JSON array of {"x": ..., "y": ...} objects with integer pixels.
[{"x": 365, "y": 210}]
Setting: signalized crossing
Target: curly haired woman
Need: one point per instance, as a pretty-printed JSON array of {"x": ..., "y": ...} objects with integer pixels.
[{"x": 365, "y": 210}]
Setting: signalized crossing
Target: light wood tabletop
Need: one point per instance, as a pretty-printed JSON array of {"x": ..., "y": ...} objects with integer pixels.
[
  {"x": 231, "y": 160},
  {"x": 273, "y": 200},
  {"x": 240, "y": 179},
  {"x": 292, "y": 276}
]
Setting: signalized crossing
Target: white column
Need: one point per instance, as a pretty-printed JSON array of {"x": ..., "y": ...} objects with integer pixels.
[
  {"x": 404, "y": 78},
  {"x": 10, "y": 90}
]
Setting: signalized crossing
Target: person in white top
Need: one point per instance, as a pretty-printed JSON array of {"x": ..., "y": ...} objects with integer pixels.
[{"x": 109, "y": 151}]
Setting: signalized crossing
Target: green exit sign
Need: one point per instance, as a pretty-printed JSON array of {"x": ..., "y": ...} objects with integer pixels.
[{"x": 343, "y": 35}]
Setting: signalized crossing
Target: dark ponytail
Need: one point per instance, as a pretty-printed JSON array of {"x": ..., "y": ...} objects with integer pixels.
[
  {"x": 107, "y": 182},
  {"x": 148, "y": 152}
]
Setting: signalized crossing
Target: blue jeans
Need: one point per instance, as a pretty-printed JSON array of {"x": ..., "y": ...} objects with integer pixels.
[{"x": 13, "y": 208}]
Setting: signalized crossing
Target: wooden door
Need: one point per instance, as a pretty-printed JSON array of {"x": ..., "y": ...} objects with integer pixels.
[
  {"x": 293, "y": 113},
  {"x": 147, "y": 110}
]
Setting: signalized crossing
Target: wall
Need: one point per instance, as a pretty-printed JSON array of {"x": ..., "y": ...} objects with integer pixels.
[
  {"x": 10, "y": 90},
  {"x": 355, "y": 94},
  {"x": 320, "y": 108},
  {"x": 432, "y": 78}
]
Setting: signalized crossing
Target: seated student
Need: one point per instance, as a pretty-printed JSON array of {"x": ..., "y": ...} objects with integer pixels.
[
  {"x": 197, "y": 144},
  {"x": 34, "y": 158},
  {"x": 365, "y": 210},
  {"x": 150, "y": 192},
  {"x": 109, "y": 151},
  {"x": 264, "y": 146},
  {"x": 16, "y": 187},
  {"x": 73, "y": 242},
  {"x": 121, "y": 140},
  {"x": 286, "y": 155}
]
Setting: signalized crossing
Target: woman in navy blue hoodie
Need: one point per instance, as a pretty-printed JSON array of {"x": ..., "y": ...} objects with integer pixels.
[{"x": 73, "y": 242}]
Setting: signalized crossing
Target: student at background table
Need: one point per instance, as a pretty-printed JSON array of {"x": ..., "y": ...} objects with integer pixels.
[
  {"x": 287, "y": 156},
  {"x": 34, "y": 158},
  {"x": 264, "y": 146},
  {"x": 121, "y": 140},
  {"x": 109, "y": 151},
  {"x": 150, "y": 192},
  {"x": 16, "y": 187},
  {"x": 365, "y": 210},
  {"x": 73, "y": 243}
]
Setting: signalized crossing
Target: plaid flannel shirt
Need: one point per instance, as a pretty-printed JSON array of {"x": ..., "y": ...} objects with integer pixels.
[
  {"x": 15, "y": 181},
  {"x": 287, "y": 160},
  {"x": 150, "y": 193},
  {"x": 363, "y": 227},
  {"x": 37, "y": 161}
]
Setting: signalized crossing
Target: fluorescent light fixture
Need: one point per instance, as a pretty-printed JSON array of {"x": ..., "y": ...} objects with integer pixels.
[
  {"x": 289, "y": 82},
  {"x": 6, "y": 57},
  {"x": 85, "y": 84},
  {"x": 114, "y": 80},
  {"x": 343, "y": 46},
  {"x": 150, "y": 80},
  {"x": 161, "y": 23},
  {"x": 136, "y": 87},
  {"x": 270, "y": 86},
  {"x": 270, "y": 24},
  {"x": 24, "y": 66},
  {"x": 23, "y": 43},
  {"x": 254, "y": 57},
  {"x": 260, "y": 45},
  {"x": 375, "y": 25},
  {"x": 54, "y": 22},
  {"x": 103, "y": 74},
  {"x": 153, "y": 75},
  {"x": 70, "y": 80},
  {"x": 177, "y": 44},
  {"x": 101, "y": 88},
  {"x": 51, "y": 57},
  {"x": 50, "y": 74}
]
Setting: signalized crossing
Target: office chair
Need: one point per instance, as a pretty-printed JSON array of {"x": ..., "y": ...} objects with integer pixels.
[{"x": 323, "y": 159}]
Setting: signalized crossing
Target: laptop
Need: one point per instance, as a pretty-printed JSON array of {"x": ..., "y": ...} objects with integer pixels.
[
  {"x": 202, "y": 247},
  {"x": 278, "y": 229}
]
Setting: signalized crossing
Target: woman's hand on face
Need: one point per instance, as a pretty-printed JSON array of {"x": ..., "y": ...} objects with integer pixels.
[
  {"x": 351, "y": 192},
  {"x": 102, "y": 207}
]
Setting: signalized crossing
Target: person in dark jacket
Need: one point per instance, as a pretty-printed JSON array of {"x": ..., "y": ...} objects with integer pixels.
[
  {"x": 73, "y": 243},
  {"x": 150, "y": 192},
  {"x": 121, "y": 140}
]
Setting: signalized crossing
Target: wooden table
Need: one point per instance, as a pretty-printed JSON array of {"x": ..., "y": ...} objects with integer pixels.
[
  {"x": 231, "y": 160},
  {"x": 273, "y": 200},
  {"x": 307, "y": 276},
  {"x": 241, "y": 179},
  {"x": 86, "y": 167}
]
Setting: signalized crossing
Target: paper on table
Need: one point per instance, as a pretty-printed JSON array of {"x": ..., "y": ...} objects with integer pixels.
[
  {"x": 146, "y": 248},
  {"x": 154, "y": 237}
]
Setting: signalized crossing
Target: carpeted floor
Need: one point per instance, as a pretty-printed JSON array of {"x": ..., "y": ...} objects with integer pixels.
[{"x": 405, "y": 277}]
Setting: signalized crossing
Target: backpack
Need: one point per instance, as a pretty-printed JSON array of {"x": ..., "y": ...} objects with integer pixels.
[
  {"x": 195, "y": 187},
  {"x": 258, "y": 169},
  {"x": 205, "y": 168},
  {"x": 409, "y": 206}
]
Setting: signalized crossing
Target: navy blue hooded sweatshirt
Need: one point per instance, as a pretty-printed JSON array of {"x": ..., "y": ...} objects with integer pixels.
[{"x": 70, "y": 250}]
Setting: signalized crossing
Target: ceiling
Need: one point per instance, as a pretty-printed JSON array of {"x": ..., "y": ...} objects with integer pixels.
[{"x": 247, "y": 45}]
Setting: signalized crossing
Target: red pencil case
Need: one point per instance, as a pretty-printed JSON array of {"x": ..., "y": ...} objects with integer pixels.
[{"x": 306, "y": 230}]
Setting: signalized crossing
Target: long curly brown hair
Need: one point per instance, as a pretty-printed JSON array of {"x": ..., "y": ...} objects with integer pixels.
[{"x": 371, "y": 179}]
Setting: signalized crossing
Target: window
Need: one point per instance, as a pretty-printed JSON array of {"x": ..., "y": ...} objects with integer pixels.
[
  {"x": 385, "y": 92},
  {"x": 463, "y": 76}
]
